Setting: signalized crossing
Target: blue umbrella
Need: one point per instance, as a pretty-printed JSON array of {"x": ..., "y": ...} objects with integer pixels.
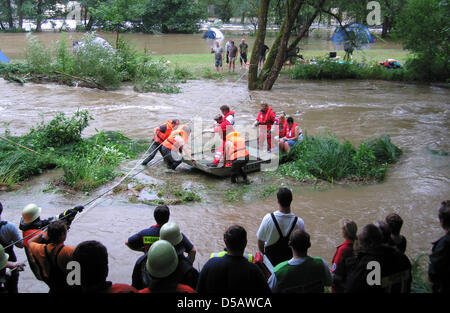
[{"x": 3, "y": 58}]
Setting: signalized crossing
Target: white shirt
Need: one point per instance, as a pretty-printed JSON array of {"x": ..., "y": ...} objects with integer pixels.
[
  {"x": 230, "y": 118},
  {"x": 267, "y": 231}
]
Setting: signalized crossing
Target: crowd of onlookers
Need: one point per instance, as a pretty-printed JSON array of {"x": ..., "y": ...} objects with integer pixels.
[{"x": 369, "y": 260}]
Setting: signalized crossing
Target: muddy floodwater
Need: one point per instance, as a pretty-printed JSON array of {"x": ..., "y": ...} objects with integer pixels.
[{"x": 415, "y": 116}]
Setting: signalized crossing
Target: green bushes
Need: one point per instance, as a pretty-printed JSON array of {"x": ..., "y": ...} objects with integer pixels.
[
  {"x": 328, "y": 159},
  {"x": 327, "y": 69},
  {"x": 99, "y": 65},
  {"x": 86, "y": 163}
]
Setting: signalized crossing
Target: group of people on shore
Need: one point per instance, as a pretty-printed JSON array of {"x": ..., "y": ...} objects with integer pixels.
[
  {"x": 281, "y": 265},
  {"x": 232, "y": 51}
]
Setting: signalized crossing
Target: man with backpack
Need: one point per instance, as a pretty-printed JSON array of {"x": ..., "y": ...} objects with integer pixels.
[{"x": 275, "y": 229}]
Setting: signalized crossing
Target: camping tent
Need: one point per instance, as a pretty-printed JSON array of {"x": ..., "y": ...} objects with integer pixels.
[
  {"x": 354, "y": 34},
  {"x": 3, "y": 58},
  {"x": 213, "y": 35}
]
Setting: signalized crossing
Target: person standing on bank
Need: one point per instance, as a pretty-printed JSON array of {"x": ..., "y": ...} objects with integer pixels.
[
  {"x": 243, "y": 49},
  {"x": 218, "y": 57},
  {"x": 232, "y": 52},
  {"x": 275, "y": 229}
]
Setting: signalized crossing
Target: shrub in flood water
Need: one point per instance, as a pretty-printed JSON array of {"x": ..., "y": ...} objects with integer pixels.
[
  {"x": 87, "y": 163},
  {"x": 327, "y": 69},
  {"x": 329, "y": 159}
]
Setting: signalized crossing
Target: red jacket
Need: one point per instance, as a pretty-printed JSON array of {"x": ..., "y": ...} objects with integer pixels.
[
  {"x": 266, "y": 118},
  {"x": 121, "y": 288},
  {"x": 224, "y": 127},
  {"x": 343, "y": 251}
]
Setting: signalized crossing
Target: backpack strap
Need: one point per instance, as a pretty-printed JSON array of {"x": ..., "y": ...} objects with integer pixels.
[
  {"x": 276, "y": 225},
  {"x": 279, "y": 229},
  {"x": 292, "y": 227}
]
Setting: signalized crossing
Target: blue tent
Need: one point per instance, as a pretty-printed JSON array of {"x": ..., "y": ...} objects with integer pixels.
[
  {"x": 3, "y": 58},
  {"x": 359, "y": 34},
  {"x": 213, "y": 33}
]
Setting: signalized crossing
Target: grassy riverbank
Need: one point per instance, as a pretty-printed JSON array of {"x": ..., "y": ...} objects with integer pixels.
[{"x": 86, "y": 163}]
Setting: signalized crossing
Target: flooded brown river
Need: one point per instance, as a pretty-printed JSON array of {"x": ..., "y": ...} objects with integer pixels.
[{"x": 416, "y": 117}]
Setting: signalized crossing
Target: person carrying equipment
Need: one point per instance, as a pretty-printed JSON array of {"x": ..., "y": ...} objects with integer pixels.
[
  {"x": 237, "y": 156},
  {"x": 160, "y": 134},
  {"x": 227, "y": 113},
  {"x": 176, "y": 146},
  {"x": 265, "y": 119}
]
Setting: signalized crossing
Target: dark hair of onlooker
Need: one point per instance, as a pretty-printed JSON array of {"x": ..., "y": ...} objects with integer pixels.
[
  {"x": 385, "y": 230},
  {"x": 55, "y": 231},
  {"x": 290, "y": 120},
  {"x": 284, "y": 196},
  {"x": 370, "y": 237},
  {"x": 349, "y": 228},
  {"x": 395, "y": 222},
  {"x": 161, "y": 214},
  {"x": 93, "y": 259},
  {"x": 444, "y": 214},
  {"x": 300, "y": 241},
  {"x": 225, "y": 108},
  {"x": 235, "y": 238}
]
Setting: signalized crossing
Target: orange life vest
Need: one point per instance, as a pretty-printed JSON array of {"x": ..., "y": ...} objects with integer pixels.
[
  {"x": 160, "y": 136},
  {"x": 170, "y": 141},
  {"x": 290, "y": 132},
  {"x": 239, "y": 149}
]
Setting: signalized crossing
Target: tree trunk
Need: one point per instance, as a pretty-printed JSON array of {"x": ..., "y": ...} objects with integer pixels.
[
  {"x": 292, "y": 9},
  {"x": 39, "y": 17},
  {"x": 259, "y": 42},
  {"x": 90, "y": 23},
  {"x": 20, "y": 13},
  {"x": 9, "y": 14},
  {"x": 280, "y": 51},
  {"x": 386, "y": 27}
]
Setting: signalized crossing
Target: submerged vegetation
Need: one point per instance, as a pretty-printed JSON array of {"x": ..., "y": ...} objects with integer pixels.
[
  {"x": 96, "y": 65},
  {"x": 327, "y": 158},
  {"x": 86, "y": 163}
]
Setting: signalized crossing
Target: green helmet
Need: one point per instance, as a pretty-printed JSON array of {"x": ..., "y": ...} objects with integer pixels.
[
  {"x": 3, "y": 257},
  {"x": 30, "y": 213},
  {"x": 171, "y": 232},
  {"x": 162, "y": 259}
]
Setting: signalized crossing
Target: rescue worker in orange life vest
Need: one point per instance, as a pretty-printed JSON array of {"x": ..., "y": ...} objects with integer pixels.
[
  {"x": 292, "y": 136},
  {"x": 160, "y": 134},
  {"x": 31, "y": 225},
  {"x": 176, "y": 147},
  {"x": 237, "y": 156}
]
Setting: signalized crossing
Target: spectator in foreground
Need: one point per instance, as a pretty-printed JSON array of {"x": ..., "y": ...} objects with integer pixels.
[
  {"x": 93, "y": 259},
  {"x": 10, "y": 237},
  {"x": 275, "y": 229},
  {"x": 162, "y": 262},
  {"x": 395, "y": 223},
  {"x": 439, "y": 268},
  {"x": 302, "y": 273},
  {"x": 343, "y": 252},
  {"x": 394, "y": 267},
  {"x": 232, "y": 272}
]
